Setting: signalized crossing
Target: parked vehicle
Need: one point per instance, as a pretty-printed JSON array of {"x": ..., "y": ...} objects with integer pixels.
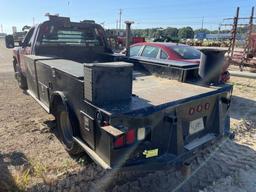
[
  {"x": 169, "y": 51},
  {"x": 119, "y": 113}
]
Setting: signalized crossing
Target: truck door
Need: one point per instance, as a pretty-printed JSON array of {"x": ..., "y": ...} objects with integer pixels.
[{"x": 26, "y": 48}]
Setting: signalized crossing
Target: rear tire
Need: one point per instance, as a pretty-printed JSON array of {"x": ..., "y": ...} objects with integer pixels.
[
  {"x": 22, "y": 80},
  {"x": 65, "y": 131}
]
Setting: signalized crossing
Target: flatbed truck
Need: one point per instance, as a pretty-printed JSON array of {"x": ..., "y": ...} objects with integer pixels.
[{"x": 120, "y": 113}]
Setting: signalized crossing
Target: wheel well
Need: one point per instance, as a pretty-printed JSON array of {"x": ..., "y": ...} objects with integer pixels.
[
  {"x": 59, "y": 98},
  {"x": 56, "y": 100}
]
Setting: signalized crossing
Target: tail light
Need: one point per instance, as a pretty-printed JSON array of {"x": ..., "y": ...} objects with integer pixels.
[
  {"x": 119, "y": 142},
  {"x": 126, "y": 139},
  {"x": 130, "y": 136}
]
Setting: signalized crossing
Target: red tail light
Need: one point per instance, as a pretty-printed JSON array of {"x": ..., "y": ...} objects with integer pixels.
[
  {"x": 127, "y": 139},
  {"x": 119, "y": 142},
  {"x": 130, "y": 136}
]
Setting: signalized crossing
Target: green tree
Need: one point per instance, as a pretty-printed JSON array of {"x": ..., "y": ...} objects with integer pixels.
[
  {"x": 171, "y": 32},
  {"x": 186, "y": 33}
]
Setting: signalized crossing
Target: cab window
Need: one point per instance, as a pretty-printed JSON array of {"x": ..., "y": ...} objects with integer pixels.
[
  {"x": 163, "y": 55},
  {"x": 134, "y": 51},
  {"x": 150, "y": 52},
  {"x": 88, "y": 37},
  {"x": 28, "y": 40}
]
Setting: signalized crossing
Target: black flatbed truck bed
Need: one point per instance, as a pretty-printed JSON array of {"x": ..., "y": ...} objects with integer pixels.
[
  {"x": 146, "y": 88},
  {"x": 154, "y": 99}
]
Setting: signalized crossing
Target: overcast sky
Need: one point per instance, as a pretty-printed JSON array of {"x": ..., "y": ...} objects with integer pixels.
[{"x": 145, "y": 13}]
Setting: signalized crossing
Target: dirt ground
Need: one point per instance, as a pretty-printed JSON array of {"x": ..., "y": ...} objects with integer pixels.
[{"x": 33, "y": 159}]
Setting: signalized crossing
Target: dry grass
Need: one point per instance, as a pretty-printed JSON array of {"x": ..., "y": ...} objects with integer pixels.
[{"x": 22, "y": 179}]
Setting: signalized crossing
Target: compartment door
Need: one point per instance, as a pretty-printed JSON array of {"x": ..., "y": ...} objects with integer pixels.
[
  {"x": 31, "y": 76},
  {"x": 87, "y": 129},
  {"x": 44, "y": 93}
]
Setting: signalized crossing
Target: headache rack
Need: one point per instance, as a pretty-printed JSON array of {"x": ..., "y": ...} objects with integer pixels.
[
  {"x": 88, "y": 21},
  {"x": 57, "y": 18}
]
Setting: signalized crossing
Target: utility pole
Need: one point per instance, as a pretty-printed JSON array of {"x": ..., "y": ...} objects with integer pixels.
[
  {"x": 202, "y": 23},
  {"x": 69, "y": 12},
  {"x": 219, "y": 32},
  {"x": 120, "y": 18}
]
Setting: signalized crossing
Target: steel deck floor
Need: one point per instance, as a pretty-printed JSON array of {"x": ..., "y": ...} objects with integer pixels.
[{"x": 158, "y": 90}]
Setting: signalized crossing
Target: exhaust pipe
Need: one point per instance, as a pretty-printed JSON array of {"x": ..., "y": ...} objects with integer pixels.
[
  {"x": 128, "y": 36},
  {"x": 210, "y": 68}
]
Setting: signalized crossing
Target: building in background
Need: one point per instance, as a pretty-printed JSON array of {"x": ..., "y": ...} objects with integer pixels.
[
  {"x": 2, "y": 35},
  {"x": 216, "y": 36}
]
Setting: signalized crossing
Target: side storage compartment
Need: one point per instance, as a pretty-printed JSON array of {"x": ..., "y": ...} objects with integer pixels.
[
  {"x": 108, "y": 82},
  {"x": 32, "y": 73},
  {"x": 44, "y": 82}
]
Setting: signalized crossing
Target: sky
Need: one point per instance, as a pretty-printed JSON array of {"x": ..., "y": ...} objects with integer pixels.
[{"x": 145, "y": 13}]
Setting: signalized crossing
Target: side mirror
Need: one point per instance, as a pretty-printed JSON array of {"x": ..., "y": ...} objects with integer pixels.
[{"x": 9, "y": 41}]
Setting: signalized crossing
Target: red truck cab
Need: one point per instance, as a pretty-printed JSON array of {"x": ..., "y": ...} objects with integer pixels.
[{"x": 46, "y": 39}]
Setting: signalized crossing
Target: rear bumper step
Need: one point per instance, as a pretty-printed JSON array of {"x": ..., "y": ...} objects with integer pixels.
[
  {"x": 92, "y": 154},
  {"x": 200, "y": 141}
]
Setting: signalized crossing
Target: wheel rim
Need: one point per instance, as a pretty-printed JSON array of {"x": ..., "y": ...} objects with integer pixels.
[{"x": 66, "y": 128}]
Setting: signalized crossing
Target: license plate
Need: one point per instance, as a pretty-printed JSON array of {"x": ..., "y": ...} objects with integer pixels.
[{"x": 196, "y": 126}]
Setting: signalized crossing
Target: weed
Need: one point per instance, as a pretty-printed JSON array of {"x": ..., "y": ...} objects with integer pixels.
[
  {"x": 67, "y": 163},
  {"x": 22, "y": 180},
  {"x": 38, "y": 169},
  {"x": 81, "y": 161}
]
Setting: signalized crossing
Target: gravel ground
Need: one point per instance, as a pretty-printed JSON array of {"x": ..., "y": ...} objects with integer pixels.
[{"x": 33, "y": 159}]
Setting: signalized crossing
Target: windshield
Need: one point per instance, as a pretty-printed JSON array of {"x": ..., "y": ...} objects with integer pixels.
[
  {"x": 186, "y": 52},
  {"x": 69, "y": 36}
]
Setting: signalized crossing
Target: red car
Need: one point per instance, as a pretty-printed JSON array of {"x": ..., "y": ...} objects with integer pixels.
[{"x": 169, "y": 51}]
